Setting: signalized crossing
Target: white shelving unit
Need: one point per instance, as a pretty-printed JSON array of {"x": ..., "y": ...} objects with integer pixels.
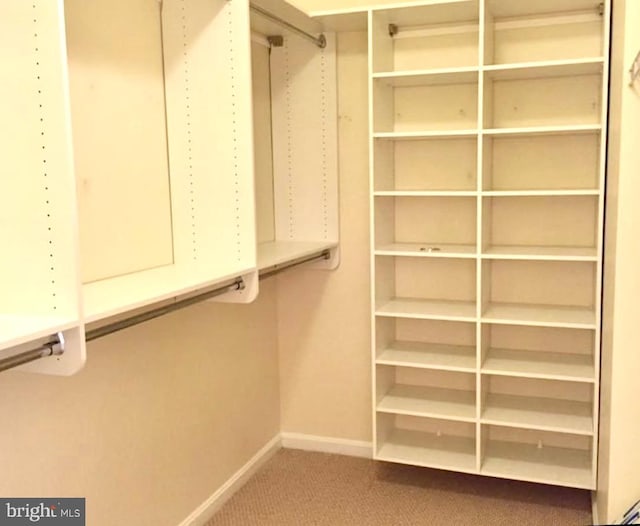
[
  {"x": 487, "y": 140},
  {"x": 296, "y": 124},
  {"x": 157, "y": 218},
  {"x": 38, "y": 272}
]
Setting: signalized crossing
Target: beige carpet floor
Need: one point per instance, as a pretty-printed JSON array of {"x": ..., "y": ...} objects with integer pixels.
[{"x": 299, "y": 488}]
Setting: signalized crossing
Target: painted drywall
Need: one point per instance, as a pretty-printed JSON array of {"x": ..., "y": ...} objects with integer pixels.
[
  {"x": 619, "y": 479},
  {"x": 161, "y": 416},
  {"x": 324, "y": 317}
]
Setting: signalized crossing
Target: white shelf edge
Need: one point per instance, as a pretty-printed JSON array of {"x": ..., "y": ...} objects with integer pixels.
[
  {"x": 443, "y": 134},
  {"x": 540, "y": 193},
  {"x": 425, "y": 72},
  {"x": 100, "y": 305},
  {"x": 537, "y": 376},
  {"x": 425, "y": 193},
  {"x": 536, "y": 321},
  {"x": 381, "y": 311},
  {"x": 542, "y": 130},
  {"x": 538, "y": 254},
  {"x": 421, "y": 250},
  {"x": 441, "y": 356}
]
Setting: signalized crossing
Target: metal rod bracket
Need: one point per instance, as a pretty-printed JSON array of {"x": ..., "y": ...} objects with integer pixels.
[
  {"x": 275, "y": 40},
  {"x": 393, "y": 30}
]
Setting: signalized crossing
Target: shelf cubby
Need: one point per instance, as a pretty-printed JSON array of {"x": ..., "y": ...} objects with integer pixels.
[
  {"x": 425, "y": 107},
  {"x": 539, "y": 352},
  {"x": 426, "y": 288},
  {"x": 424, "y": 393},
  {"x": 425, "y": 226},
  {"x": 551, "y": 163},
  {"x": 551, "y": 227},
  {"x": 537, "y": 456},
  {"x": 433, "y": 165},
  {"x": 426, "y": 37},
  {"x": 539, "y": 293},
  {"x": 426, "y": 442},
  {"x": 546, "y": 405},
  {"x": 521, "y": 104},
  {"x": 542, "y": 31}
]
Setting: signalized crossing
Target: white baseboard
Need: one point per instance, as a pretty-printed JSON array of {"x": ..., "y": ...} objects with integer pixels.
[
  {"x": 338, "y": 446},
  {"x": 207, "y": 509}
]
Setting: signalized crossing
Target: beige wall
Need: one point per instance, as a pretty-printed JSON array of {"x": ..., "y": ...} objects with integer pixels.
[
  {"x": 324, "y": 317},
  {"x": 161, "y": 416},
  {"x": 619, "y": 478}
]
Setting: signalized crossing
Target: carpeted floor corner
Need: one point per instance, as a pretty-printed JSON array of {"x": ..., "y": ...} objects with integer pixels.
[{"x": 298, "y": 488}]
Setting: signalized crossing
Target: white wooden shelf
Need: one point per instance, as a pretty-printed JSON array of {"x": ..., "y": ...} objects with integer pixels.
[
  {"x": 421, "y": 401},
  {"x": 273, "y": 253},
  {"x": 540, "y": 253},
  {"x": 425, "y": 193},
  {"x": 428, "y": 77},
  {"x": 17, "y": 330},
  {"x": 540, "y": 193},
  {"x": 429, "y": 450},
  {"x": 548, "y": 465},
  {"x": 540, "y": 315},
  {"x": 110, "y": 297},
  {"x": 427, "y": 250},
  {"x": 420, "y": 135},
  {"x": 545, "y": 414},
  {"x": 547, "y": 69},
  {"x": 429, "y": 356},
  {"x": 427, "y": 309},
  {"x": 535, "y": 131},
  {"x": 538, "y": 364}
]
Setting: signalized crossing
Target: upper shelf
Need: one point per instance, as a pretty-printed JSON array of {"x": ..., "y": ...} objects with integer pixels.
[{"x": 110, "y": 297}]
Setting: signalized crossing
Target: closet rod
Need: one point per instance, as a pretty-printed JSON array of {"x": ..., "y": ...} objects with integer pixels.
[
  {"x": 54, "y": 347},
  {"x": 319, "y": 41},
  {"x": 105, "y": 330},
  {"x": 276, "y": 269}
]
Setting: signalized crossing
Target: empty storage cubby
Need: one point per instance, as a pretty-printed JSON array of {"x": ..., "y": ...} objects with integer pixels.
[
  {"x": 428, "y": 442},
  {"x": 425, "y": 37},
  {"x": 539, "y": 352},
  {"x": 516, "y": 101},
  {"x": 540, "y": 293},
  {"x": 425, "y": 226},
  {"x": 426, "y": 344},
  {"x": 427, "y": 104},
  {"x": 426, "y": 288},
  {"x": 545, "y": 163},
  {"x": 531, "y": 403},
  {"x": 563, "y": 227},
  {"x": 420, "y": 392},
  {"x": 550, "y": 30},
  {"x": 428, "y": 165},
  {"x": 538, "y": 456}
]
